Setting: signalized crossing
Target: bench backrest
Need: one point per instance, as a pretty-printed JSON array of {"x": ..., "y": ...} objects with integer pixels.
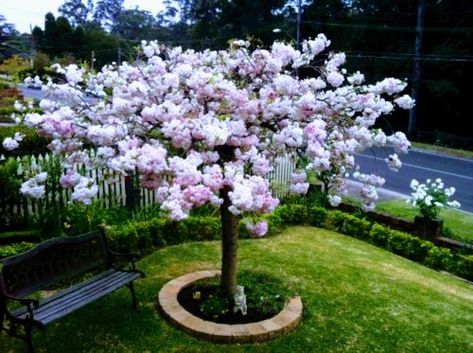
[{"x": 51, "y": 262}]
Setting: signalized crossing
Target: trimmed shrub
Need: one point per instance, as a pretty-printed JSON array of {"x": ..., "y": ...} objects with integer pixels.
[
  {"x": 293, "y": 214},
  {"x": 440, "y": 259},
  {"x": 379, "y": 235},
  {"x": 409, "y": 246},
  {"x": 317, "y": 216},
  {"x": 464, "y": 267},
  {"x": 159, "y": 232},
  {"x": 353, "y": 226}
]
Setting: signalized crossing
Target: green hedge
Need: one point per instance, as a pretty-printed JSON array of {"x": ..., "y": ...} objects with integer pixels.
[
  {"x": 144, "y": 236},
  {"x": 400, "y": 243},
  {"x": 159, "y": 232},
  {"x": 20, "y": 236}
]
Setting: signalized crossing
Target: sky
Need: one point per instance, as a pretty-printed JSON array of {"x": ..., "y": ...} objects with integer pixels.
[{"x": 23, "y": 13}]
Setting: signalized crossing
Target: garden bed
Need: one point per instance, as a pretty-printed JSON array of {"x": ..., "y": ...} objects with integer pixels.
[{"x": 229, "y": 328}]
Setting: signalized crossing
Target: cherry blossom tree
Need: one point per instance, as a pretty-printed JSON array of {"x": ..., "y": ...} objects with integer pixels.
[{"x": 207, "y": 128}]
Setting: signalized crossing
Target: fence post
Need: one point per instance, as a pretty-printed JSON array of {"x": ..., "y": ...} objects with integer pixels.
[{"x": 131, "y": 192}]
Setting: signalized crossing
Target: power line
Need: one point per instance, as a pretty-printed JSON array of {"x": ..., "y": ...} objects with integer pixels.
[{"x": 388, "y": 27}]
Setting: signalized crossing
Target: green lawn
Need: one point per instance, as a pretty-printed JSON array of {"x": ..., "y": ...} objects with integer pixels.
[
  {"x": 448, "y": 150},
  {"x": 357, "y": 298},
  {"x": 459, "y": 224}
]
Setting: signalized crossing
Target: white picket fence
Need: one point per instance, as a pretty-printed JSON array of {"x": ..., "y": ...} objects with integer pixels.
[{"x": 110, "y": 194}]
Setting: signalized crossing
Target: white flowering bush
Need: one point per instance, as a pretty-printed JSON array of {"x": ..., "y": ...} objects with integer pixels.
[
  {"x": 431, "y": 197},
  {"x": 207, "y": 127}
]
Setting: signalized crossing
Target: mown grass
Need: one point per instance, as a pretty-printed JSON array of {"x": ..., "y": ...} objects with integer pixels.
[
  {"x": 447, "y": 150},
  {"x": 357, "y": 298},
  {"x": 458, "y": 224}
]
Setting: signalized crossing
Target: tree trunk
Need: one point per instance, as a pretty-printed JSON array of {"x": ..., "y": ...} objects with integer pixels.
[{"x": 229, "y": 246}]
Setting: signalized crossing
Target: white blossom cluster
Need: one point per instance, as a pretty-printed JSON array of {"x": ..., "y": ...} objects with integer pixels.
[{"x": 431, "y": 196}]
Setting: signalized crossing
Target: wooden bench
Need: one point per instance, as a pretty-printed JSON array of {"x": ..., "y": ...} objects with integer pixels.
[{"x": 51, "y": 263}]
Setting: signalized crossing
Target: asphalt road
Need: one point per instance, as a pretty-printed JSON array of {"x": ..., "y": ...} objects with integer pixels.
[
  {"x": 422, "y": 165},
  {"x": 31, "y": 92}
]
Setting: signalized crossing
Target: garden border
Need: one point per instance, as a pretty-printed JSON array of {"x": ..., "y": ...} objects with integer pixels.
[{"x": 287, "y": 320}]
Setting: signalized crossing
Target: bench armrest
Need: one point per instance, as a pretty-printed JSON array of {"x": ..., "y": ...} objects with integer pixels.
[
  {"x": 29, "y": 303},
  {"x": 131, "y": 258},
  {"x": 128, "y": 256}
]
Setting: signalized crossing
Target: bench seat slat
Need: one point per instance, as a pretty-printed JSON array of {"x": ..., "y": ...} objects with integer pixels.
[
  {"x": 66, "y": 291},
  {"x": 73, "y": 298}
]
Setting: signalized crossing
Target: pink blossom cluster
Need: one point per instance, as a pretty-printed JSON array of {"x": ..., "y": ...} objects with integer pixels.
[
  {"x": 193, "y": 124},
  {"x": 257, "y": 230}
]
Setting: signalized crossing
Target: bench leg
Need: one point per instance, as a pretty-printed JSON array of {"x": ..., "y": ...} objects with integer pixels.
[
  {"x": 133, "y": 295},
  {"x": 29, "y": 338}
]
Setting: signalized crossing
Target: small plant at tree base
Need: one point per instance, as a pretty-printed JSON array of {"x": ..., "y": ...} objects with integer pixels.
[{"x": 431, "y": 197}]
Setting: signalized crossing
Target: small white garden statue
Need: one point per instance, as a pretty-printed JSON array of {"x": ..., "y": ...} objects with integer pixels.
[{"x": 240, "y": 300}]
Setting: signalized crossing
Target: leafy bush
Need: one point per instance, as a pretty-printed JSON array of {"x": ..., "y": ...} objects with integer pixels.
[
  {"x": 409, "y": 246},
  {"x": 430, "y": 197},
  {"x": 292, "y": 214},
  {"x": 158, "y": 232},
  {"x": 348, "y": 224},
  {"x": 317, "y": 216},
  {"x": 32, "y": 143},
  {"x": 464, "y": 267},
  {"x": 15, "y": 249},
  {"x": 440, "y": 259},
  {"x": 334, "y": 220},
  {"x": 379, "y": 235}
]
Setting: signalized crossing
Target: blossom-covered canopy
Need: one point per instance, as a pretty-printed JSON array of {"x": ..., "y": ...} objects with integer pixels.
[{"x": 193, "y": 123}]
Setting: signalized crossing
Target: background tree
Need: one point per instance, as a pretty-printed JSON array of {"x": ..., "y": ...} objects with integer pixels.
[
  {"x": 7, "y": 33},
  {"x": 76, "y": 12},
  {"x": 135, "y": 25},
  {"x": 106, "y": 12}
]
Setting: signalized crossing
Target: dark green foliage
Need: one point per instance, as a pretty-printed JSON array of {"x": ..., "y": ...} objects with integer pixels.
[
  {"x": 158, "y": 232},
  {"x": 264, "y": 291},
  {"x": 76, "y": 11},
  {"x": 275, "y": 223},
  {"x": 440, "y": 259},
  {"x": 317, "y": 216},
  {"x": 14, "y": 249},
  {"x": 409, "y": 246},
  {"x": 20, "y": 236},
  {"x": 292, "y": 214},
  {"x": 32, "y": 143},
  {"x": 265, "y": 295},
  {"x": 345, "y": 223},
  {"x": 379, "y": 235},
  {"x": 147, "y": 230},
  {"x": 464, "y": 267}
]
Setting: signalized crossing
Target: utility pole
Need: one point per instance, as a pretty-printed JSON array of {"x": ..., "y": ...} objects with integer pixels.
[
  {"x": 417, "y": 69},
  {"x": 298, "y": 29},
  {"x": 32, "y": 47},
  {"x": 92, "y": 60},
  {"x": 119, "y": 55}
]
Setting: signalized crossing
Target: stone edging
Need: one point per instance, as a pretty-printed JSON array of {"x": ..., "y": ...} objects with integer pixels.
[{"x": 287, "y": 320}]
